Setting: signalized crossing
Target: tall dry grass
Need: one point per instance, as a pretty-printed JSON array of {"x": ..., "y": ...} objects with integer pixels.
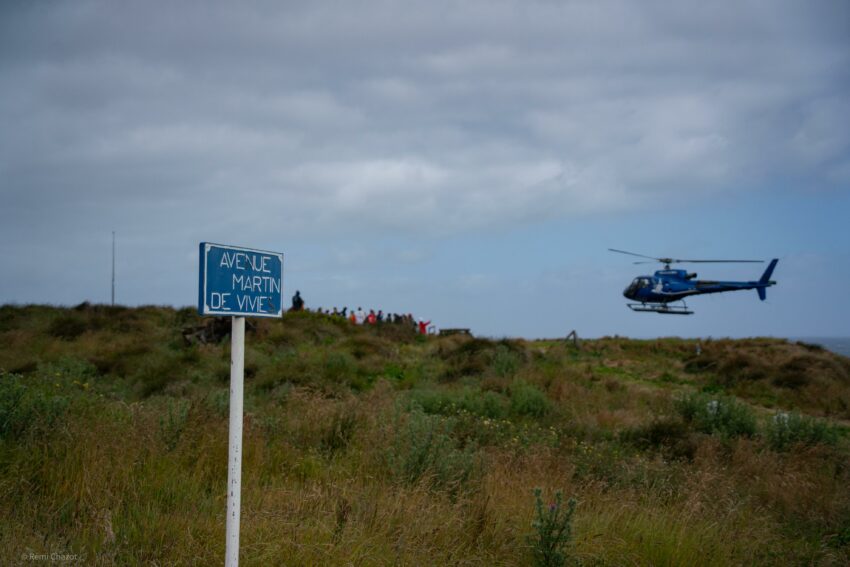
[{"x": 119, "y": 449}]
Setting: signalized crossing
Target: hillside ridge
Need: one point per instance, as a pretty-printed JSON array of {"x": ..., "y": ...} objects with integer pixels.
[{"x": 377, "y": 445}]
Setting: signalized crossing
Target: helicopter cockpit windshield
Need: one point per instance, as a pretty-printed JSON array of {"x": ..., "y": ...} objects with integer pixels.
[{"x": 637, "y": 284}]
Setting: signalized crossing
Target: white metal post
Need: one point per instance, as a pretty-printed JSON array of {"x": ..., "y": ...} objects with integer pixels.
[{"x": 234, "y": 452}]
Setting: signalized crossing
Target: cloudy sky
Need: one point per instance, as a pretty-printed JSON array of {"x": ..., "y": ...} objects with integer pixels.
[{"x": 469, "y": 162}]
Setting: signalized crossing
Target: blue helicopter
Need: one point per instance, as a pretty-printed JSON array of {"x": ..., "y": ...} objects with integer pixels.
[{"x": 654, "y": 294}]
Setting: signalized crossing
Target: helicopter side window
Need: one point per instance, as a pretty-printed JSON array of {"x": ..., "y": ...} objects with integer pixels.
[{"x": 643, "y": 282}]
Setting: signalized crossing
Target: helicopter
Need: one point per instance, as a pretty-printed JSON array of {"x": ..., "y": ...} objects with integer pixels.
[{"x": 654, "y": 294}]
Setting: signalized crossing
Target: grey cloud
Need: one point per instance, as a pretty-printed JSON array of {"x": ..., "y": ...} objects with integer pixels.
[{"x": 329, "y": 119}]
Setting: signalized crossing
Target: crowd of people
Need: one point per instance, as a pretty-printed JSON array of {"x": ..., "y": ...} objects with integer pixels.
[{"x": 361, "y": 317}]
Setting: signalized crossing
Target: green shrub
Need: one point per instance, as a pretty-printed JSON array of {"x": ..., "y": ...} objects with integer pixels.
[
  {"x": 447, "y": 402},
  {"x": 156, "y": 371},
  {"x": 489, "y": 404},
  {"x": 741, "y": 367},
  {"x": 394, "y": 372},
  {"x": 474, "y": 357},
  {"x": 28, "y": 408},
  {"x": 794, "y": 373},
  {"x": 218, "y": 402},
  {"x": 271, "y": 425},
  {"x": 10, "y": 317},
  {"x": 784, "y": 430},
  {"x": 173, "y": 422},
  {"x": 424, "y": 449},
  {"x": 434, "y": 401},
  {"x": 67, "y": 327},
  {"x": 670, "y": 434},
  {"x": 669, "y": 378},
  {"x": 552, "y": 530},
  {"x": 288, "y": 367},
  {"x": 345, "y": 369},
  {"x": 528, "y": 400},
  {"x": 505, "y": 362},
  {"x": 397, "y": 333},
  {"x": 68, "y": 370},
  {"x": 717, "y": 415},
  {"x": 363, "y": 346},
  {"x": 339, "y": 367},
  {"x": 339, "y": 432}
]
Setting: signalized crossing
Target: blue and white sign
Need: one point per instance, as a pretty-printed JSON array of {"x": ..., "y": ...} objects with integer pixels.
[{"x": 240, "y": 282}]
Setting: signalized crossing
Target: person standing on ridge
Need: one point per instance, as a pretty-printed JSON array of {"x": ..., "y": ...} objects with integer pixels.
[
  {"x": 297, "y": 302},
  {"x": 423, "y": 326}
]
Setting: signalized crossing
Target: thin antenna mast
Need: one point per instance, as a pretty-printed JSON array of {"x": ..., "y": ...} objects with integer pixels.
[{"x": 113, "y": 268}]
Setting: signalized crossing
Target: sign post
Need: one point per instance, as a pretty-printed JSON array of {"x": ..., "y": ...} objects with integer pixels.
[
  {"x": 234, "y": 442},
  {"x": 238, "y": 282}
]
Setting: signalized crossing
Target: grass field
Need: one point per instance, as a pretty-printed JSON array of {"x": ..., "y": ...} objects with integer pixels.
[{"x": 375, "y": 446}]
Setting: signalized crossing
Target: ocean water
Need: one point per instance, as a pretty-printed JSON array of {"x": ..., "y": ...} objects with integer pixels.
[{"x": 838, "y": 345}]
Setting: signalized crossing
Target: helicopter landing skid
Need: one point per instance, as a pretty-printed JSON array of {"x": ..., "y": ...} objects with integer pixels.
[{"x": 662, "y": 308}]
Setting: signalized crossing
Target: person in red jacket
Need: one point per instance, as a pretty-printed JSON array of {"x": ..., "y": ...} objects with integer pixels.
[
  {"x": 423, "y": 326},
  {"x": 371, "y": 318}
]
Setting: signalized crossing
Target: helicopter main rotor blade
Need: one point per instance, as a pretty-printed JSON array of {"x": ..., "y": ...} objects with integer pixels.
[
  {"x": 718, "y": 261},
  {"x": 683, "y": 261},
  {"x": 633, "y": 254}
]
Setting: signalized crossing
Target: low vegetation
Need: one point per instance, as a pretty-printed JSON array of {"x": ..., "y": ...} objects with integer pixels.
[{"x": 376, "y": 446}]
